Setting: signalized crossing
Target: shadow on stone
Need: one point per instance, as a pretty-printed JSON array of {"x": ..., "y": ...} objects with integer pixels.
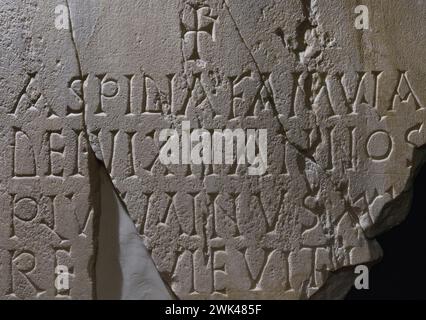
[
  {"x": 109, "y": 278},
  {"x": 124, "y": 269},
  {"x": 401, "y": 273}
]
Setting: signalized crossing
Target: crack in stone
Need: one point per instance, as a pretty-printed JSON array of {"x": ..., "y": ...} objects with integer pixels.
[
  {"x": 323, "y": 181},
  {"x": 305, "y": 25},
  {"x": 307, "y": 9},
  {"x": 100, "y": 163},
  {"x": 274, "y": 109},
  {"x": 90, "y": 150},
  {"x": 80, "y": 70},
  {"x": 73, "y": 41}
]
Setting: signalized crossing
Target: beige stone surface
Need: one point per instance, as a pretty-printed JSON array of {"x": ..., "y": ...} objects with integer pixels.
[
  {"x": 344, "y": 110},
  {"x": 46, "y": 198}
]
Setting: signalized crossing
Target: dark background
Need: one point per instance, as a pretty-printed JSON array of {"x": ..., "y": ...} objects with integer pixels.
[{"x": 402, "y": 272}]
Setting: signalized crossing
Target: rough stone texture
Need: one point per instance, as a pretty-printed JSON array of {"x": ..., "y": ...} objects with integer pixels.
[
  {"x": 344, "y": 110},
  {"x": 46, "y": 201}
]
